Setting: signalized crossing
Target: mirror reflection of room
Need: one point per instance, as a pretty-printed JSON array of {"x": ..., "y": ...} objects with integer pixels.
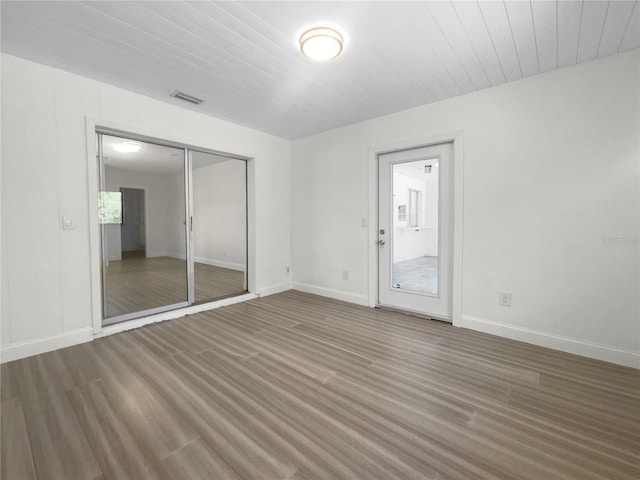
[
  {"x": 415, "y": 224},
  {"x": 145, "y": 231},
  {"x": 145, "y": 250}
]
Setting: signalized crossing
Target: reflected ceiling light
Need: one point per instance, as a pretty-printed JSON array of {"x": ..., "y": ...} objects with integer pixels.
[
  {"x": 321, "y": 44},
  {"x": 127, "y": 147}
]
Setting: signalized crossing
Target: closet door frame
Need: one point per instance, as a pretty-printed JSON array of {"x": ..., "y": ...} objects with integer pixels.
[
  {"x": 95, "y": 130},
  {"x": 188, "y": 215}
]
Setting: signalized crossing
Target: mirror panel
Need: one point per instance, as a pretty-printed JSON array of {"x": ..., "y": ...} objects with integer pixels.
[
  {"x": 219, "y": 192},
  {"x": 142, "y": 213}
]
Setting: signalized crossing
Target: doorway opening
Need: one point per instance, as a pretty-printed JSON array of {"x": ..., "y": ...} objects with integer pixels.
[{"x": 173, "y": 223}]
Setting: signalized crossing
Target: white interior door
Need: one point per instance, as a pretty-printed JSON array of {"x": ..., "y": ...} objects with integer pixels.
[{"x": 415, "y": 230}]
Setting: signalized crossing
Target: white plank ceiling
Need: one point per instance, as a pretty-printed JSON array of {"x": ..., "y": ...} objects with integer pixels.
[{"x": 242, "y": 58}]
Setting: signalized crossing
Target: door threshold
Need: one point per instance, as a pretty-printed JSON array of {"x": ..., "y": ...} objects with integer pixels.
[
  {"x": 170, "y": 315},
  {"x": 413, "y": 313},
  {"x": 143, "y": 314}
]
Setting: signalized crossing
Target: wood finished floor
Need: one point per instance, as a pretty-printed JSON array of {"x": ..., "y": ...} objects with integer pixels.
[
  {"x": 298, "y": 387},
  {"x": 138, "y": 283}
]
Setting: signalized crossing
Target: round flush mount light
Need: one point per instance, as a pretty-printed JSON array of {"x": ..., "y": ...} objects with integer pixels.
[
  {"x": 321, "y": 44},
  {"x": 127, "y": 147}
]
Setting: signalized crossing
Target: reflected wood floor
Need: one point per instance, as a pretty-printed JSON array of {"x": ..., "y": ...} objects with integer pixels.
[
  {"x": 295, "y": 386},
  {"x": 138, "y": 283}
]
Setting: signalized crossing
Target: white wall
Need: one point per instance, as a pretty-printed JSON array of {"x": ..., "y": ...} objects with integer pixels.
[
  {"x": 551, "y": 202},
  {"x": 46, "y": 278},
  {"x": 551, "y": 175},
  {"x": 174, "y": 218},
  {"x": 219, "y": 214}
]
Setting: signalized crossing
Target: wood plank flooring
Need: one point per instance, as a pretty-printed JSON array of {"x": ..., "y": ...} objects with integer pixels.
[
  {"x": 138, "y": 283},
  {"x": 299, "y": 387}
]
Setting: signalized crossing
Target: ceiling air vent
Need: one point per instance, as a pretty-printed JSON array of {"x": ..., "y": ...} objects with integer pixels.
[{"x": 186, "y": 97}]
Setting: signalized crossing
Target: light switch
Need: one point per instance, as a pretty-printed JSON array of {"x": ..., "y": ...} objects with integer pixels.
[{"x": 67, "y": 223}]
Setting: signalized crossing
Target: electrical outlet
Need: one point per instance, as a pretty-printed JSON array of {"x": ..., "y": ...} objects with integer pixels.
[
  {"x": 364, "y": 223},
  {"x": 288, "y": 269},
  {"x": 504, "y": 298},
  {"x": 345, "y": 275}
]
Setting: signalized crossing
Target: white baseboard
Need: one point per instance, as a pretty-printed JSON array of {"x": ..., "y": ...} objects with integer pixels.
[
  {"x": 220, "y": 263},
  {"x": 28, "y": 348},
  {"x": 332, "y": 293},
  {"x": 627, "y": 358},
  {"x": 158, "y": 254},
  {"x": 207, "y": 261},
  {"x": 273, "y": 289}
]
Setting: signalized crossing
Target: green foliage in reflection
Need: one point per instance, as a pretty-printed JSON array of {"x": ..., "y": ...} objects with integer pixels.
[{"x": 110, "y": 207}]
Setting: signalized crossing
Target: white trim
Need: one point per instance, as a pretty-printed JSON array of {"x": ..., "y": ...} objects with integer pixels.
[
  {"x": 251, "y": 273},
  {"x": 220, "y": 263},
  {"x": 457, "y": 138},
  {"x": 332, "y": 293},
  {"x": 19, "y": 350},
  {"x": 94, "y": 226},
  {"x": 188, "y": 227},
  {"x": 164, "y": 254},
  {"x": 458, "y": 226},
  {"x": 627, "y": 358},
  {"x": 182, "y": 312},
  {"x": 372, "y": 246},
  {"x": 273, "y": 289},
  {"x": 206, "y": 261}
]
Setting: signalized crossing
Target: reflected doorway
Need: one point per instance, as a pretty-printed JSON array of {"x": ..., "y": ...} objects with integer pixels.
[{"x": 132, "y": 232}]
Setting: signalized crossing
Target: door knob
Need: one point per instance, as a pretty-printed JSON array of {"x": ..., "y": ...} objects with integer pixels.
[{"x": 381, "y": 242}]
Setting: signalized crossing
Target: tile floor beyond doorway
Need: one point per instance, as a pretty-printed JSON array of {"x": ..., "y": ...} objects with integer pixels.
[{"x": 418, "y": 274}]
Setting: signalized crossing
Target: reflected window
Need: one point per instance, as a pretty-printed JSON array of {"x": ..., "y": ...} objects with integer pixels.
[{"x": 110, "y": 207}]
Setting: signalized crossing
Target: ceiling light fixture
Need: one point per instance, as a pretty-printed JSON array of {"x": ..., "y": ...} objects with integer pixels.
[
  {"x": 321, "y": 44},
  {"x": 127, "y": 147}
]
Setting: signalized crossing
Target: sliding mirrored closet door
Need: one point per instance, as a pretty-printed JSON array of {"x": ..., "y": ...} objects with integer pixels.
[
  {"x": 173, "y": 227},
  {"x": 219, "y": 235}
]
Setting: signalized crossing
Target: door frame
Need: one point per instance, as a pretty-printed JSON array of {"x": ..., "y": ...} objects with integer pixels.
[
  {"x": 457, "y": 139},
  {"x": 95, "y": 125},
  {"x": 144, "y": 212}
]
